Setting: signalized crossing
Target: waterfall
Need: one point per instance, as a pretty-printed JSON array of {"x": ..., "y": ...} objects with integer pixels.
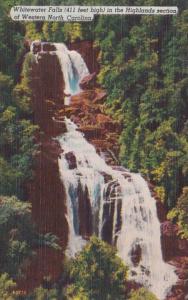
[
  {"x": 73, "y": 69},
  {"x": 121, "y": 206},
  {"x": 110, "y": 202},
  {"x": 73, "y": 66}
]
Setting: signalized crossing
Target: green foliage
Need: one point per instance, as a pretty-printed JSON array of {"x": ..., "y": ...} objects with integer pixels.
[
  {"x": 22, "y": 92},
  {"x": 17, "y": 151},
  {"x": 180, "y": 213},
  {"x": 9, "y": 178},
  {"x": 142, "y": 294},
  {"x": 98, "y": 273},
  {"x": 144, "y": 71},
  {"x": 53, "y": 31},
  {"x": 76, "y": 31},
  {"x": 6, "y": 84},
  {"x": 17, "y": 146},
  {"x": 11, "y": 39},
  {"x": 49, "y": 240},
  {"x": 17, "y": 233},
  {"x": 75, "y": 294},
  {"x": 41, "y": 293},
  {"x": 7, "y": 288},
  {"x": 32, "y": 32}
]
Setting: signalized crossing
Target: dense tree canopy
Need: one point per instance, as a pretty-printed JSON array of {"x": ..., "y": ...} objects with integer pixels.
[
  {"x": 142, "y": 294},
  {"x": 98, "y": 273},
  {"x": 143, "y": 67}
]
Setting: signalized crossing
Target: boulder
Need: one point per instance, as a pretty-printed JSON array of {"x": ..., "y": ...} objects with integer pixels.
[
  {"x": 161, "y": 209},
  {"x": 88, "y": 81},
  {"x": 136, "y": 255},
  {"x": 46, "y": 47},
  {"x": 169, "y": 240},
  {"x": 39, "y": 46},
  {"x": 172, "y": 244},
  {"x": 91, "y": 131},
  {"x": 107, "y": 177},
  {"x": 36, "y": 47},
  {"x": 179, "y": 291},
  {"x": 71, "y": 159}
]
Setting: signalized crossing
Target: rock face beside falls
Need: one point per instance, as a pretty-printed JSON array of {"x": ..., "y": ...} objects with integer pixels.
[
  {"x": 47, "y": 192},
  {"x": 88, "y": 52}
]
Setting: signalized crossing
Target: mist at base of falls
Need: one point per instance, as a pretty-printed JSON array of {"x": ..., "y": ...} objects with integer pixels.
[{"x": 121, "y": 206}]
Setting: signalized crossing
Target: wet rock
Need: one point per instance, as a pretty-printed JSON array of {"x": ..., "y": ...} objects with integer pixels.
[
  {"x": 161, "y": 209},
  {"x": 100, "y": 145},
  {"x": 36, "y": 47},
  {"x": 59, "y": 126},
  {"x": 136, "y": 255},
  {"x": 75, "y": 119},
  {"x": 51, "y": 149},
  {"x": 108, "y": 213},
  {"x": 169, "y": 229},
  {"x": 181, "y": 268},
  {"x": 106, "y": 176},
  {"x": 71, "y": 159},
  {"x": 89, "y": 53},
  {"x": 88, "y": 81},
  {"x": 85, "y": 212},
  {"x": 48, "y": 47},
  {"x": 183, "y": 247},
  {"x": 39, "y": 46},
  {"x": 91, "y": 132},
  {"x": 71, "y": 110},
  {"x": 126, "y": 175},
  {"x": 119, "y": 168},
  {"x": 169, "y": 240}
]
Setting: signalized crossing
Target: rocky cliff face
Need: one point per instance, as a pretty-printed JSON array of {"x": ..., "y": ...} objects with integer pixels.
[{"x": 46, "y": 192}]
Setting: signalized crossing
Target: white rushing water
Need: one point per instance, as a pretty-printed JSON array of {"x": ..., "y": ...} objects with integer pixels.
[
  {"x": 139, "y": 227},
  {"x": 73, "y": 68},
  {"x": 121, "y": 209}
]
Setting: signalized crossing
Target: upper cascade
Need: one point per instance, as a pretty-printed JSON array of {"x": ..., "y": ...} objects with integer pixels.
[{"x": 73, "y": 67}]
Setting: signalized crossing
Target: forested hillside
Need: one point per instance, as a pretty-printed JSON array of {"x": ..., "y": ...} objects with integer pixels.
[{"x": 144, "y": 68}]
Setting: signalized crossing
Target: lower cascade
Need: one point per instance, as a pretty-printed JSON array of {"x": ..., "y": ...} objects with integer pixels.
[{"x": 117, "y": 206}]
